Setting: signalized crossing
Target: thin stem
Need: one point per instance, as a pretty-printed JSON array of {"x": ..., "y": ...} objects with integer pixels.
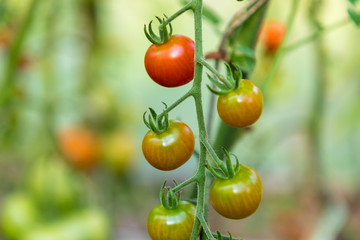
[
  {"x": 313, "y": 36},
  {"x": 177, "y": 102},
  {"x": 203, "y": 62},
  {"x": 185, "y": 183},
  {"x": 206, "y": 228},
  {"x": 212, "y": 153},
  {"x": 281, "y": 52},
  {"x": 5, "y": 91},
  {"x": 181, "y": 11}
]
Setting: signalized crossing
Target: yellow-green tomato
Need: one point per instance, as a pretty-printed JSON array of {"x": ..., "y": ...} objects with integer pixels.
[
  {"x": 174, "y": 224},
  {"x": 53, "y": 186},
  {"x": 18, "y": 215},
  {"x": 242, "y": 106},
  {"x": 237, "y": 197}
]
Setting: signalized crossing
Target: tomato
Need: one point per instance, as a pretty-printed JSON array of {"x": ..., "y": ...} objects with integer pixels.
[
  {"x": 272, "y": 34},
  {"x": 171, "y": 64},
  {"x": 53, "y": 186},
  {"x": 119, "y": 151},
  {"x": 174, "y": 224},
  {"x": 89, "y": 224},
  {"x": 18, "y": 215},
  {"x": 170, "y": 149},
  {"x": 242, "y": 106},
  {"x": 80, "y": 145},
  {"x": 239, "y": 196}
]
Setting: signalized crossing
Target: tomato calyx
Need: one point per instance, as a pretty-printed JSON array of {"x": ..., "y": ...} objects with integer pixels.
[
  {"x": 157, "y": 123},
  {"x": 228, "y": 84},
  {"x": 225, "y": 170},
  {"x": 221, "y": 237},
  {"x": 164, "y": 33},
  {"x": 169, "y": 199}
]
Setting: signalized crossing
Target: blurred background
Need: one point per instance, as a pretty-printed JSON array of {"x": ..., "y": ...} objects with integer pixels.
[{"x": 73, "y": 91}]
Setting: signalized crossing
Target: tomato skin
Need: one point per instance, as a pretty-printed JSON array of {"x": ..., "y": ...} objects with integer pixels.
[
  {"x": 171, "y": 64},
  {"x": 170, "y": 149},
  {"x": 80, "y": 145},
  {"x": 237, "y": 197},
  {"x": 241, "y": 107},
  {"x": 272, "y": 35},
  {"x": 174, "y": 224}
]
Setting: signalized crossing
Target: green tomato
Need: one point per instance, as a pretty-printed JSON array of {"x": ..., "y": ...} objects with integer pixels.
[
  {"x": 52, "y": 185},
  {"x": 90, "y": 224},
  {"x": 18, "y": 215},
  {"x": 174, "y": 224}
]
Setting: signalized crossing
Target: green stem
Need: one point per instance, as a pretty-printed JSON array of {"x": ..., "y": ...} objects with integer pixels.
[
  {"x": 320, "y": 32},
  {"x": 209, "y": 67},
  {"x": 206, "y": 228},
  {"x": 181, "y": 11},
  {"x": 6, "y": 88},
  {"x": 185, "y": 183},
  {"x": 214, "y": 156},
  {"x": 281, "y": 52}
]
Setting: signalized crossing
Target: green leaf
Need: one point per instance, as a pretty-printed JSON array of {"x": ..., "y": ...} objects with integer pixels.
[
  {"x": 353, "y": 2},
  {"x": 211, "y": 16},
  {"x": 244, "y": 57},
  {"x": 355, "y": 16}
]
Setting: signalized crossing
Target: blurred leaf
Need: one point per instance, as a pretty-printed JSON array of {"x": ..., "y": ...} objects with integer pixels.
[
  {"x": 353, "y": 2},
  {"x": 244, "y": 57},
  {"x": 246, "y": 34},
  {"x": 209, "y": 14},
  {"x": 355, "y": 17}
]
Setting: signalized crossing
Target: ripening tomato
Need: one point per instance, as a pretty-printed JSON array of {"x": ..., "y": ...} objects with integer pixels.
[
  {"x": 171, "y": 64},
  {"x": 17, "y": 216},
  {"x": 119, "y": 151},
  {"x": 170, "y": 149},
  {"x": 272, "y": 34},
  {"x": 174, "y": 224},
  {"x": 239, "y": 196},
  {"x": 80, "y": 145},
  {"x": 242, "y": 106}
]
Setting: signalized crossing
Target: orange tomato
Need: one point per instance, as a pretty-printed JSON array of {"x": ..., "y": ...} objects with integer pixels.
[
  {"x": 80, "y": 146},
  {"x": 272, "y": 34}
]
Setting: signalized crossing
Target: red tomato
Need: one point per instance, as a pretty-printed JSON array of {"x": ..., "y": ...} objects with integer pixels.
[
  {"x": 80, "y": 146},
  {"x": 239, "y": 196},
  {"x": 170, "y": 149},
  {"x": 242, "y": 106},
  {"x": 171, "y": 64},
  {"x": 272, "y": 35}
]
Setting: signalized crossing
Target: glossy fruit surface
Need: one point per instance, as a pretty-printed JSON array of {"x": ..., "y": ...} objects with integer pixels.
[
  {"x": 80, "y": 146},
  {"x": 170, "y": 149},
  {"x": 174, "y": 224},
  {"x": 18, "y": 215},
  {"x": 242, "y": 106},
  {"x": 272, "y": 35},
  {"x": 171, "y": 64},
  {"x": 237, "y": 197}
]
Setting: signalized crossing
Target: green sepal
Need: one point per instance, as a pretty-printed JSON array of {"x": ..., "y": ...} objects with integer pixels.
[
  {"x": 157, "y": 123},
  {"x": 229, "y": 165},
  {"x": 220, "y": 237},
  {"x": 169, "y": 200},
  {"x": 215, "y": 172},
  {"x": 228, "y": 84},
  {"x": 164, "y": 33}
]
